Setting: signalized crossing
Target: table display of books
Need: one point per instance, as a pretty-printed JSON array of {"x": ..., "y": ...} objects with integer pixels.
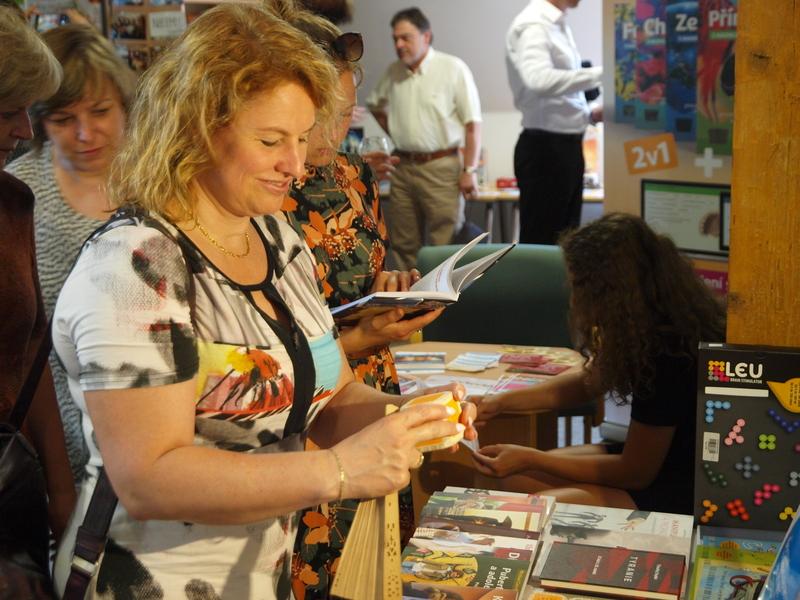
[
  {"x": 485, "y": 544},
  {"x": 474, "y": 545}
]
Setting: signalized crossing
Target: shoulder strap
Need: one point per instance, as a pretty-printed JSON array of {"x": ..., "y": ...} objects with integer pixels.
[
  {"x": 26, "y": 393},
  {"x": 91, "y": 539}
]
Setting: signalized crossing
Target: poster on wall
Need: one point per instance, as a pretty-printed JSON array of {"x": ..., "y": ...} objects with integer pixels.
[{"x": 671, "y": 122}]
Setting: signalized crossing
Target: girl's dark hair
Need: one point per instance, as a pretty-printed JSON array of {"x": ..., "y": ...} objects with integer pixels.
[{"x": 634, "y": 298}]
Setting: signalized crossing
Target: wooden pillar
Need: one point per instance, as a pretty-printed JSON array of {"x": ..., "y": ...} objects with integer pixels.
[{"x": 764, "y": 275}]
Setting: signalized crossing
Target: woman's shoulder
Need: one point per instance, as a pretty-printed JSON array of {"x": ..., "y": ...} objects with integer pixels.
[
  {"x": 34, "y": 169},
  {"x": 15, "y": 194},
  {"x": 134, "y": 235}
]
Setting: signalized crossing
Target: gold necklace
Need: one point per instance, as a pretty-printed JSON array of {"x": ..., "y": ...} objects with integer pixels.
[{"x": 219, "y": 246}]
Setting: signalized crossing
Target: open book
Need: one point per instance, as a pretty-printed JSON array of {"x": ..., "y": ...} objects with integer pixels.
[{"x": 438, "y": 288}]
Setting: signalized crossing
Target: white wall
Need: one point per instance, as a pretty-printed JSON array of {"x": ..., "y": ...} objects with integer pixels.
[{"x": 473, "y": 30}]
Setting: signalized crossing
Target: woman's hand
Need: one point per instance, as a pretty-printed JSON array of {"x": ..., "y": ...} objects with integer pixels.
[
  {"x": 383, "y": 329},
  {"x": 468, "y": 410},
  {"x": 395, "y": 281},
  {"x": 502, "y": 460},
  {"x": 377, "y": 459}
]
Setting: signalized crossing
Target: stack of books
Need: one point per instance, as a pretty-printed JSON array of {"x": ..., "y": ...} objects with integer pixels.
[
  {"x": 594, "y": 552},
  {"x": 729, "y": 560},
  {"x": 474, "y": 544}
]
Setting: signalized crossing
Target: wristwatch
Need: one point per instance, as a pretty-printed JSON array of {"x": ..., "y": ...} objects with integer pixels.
[{"x": 469, "y": 170}]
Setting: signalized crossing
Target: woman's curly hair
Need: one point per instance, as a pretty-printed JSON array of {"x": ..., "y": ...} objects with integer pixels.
[{"x": 634, "y": 298}]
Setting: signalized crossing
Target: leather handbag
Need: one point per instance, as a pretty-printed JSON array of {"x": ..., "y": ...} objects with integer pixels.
[{"x": 24, "y": 531}]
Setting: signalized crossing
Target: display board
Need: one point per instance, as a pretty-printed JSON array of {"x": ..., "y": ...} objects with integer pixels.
[
  {"x": 690, "y": 213},
  {"x": 747, "y": 472}
]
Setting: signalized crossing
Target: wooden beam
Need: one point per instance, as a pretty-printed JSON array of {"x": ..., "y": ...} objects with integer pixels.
[{"x": 764, "y": 275}]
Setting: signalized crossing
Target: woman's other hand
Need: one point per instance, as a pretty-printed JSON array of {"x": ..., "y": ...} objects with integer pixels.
[
  {"x": 383, "y": 329},
  {"x": 395, "y": 281},
  {"x": 377, "y": 459},
  {"x": 501, "y": 460}
]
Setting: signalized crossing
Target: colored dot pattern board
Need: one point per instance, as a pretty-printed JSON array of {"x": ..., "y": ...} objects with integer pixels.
[{"x": 747, "y": 463}]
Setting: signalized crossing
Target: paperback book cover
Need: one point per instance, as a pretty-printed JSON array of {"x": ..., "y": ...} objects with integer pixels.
[
  {"x": 622, "y": 519},
  {"x": 716, "y": 571},
  {"x": 495, "y": 501},
  {"x": 464, "y": 569},
  {"x": 439, "y": 591},
  {"x": 683, "y": 24},
  {"x": 426, "y": 538},
  {"x": 438, "y": 288},
  {"x": 475, "y": 524},
  {"x": 716, "y": 46},
  {"x": 626, "y": 539},
  {"x": 624, "y": 62},
  {"x": 651, "y": 64},
  {"x": 530, "y": 520},
  {"x": 620, "y": 572}
]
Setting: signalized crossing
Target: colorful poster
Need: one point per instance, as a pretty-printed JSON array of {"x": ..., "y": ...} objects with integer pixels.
[
  {"x": 624, "y": 63},
  {"x": 651, "y": 64},
  {"x": 716, "y": 46},
  {"x": 683, "y": 25}
]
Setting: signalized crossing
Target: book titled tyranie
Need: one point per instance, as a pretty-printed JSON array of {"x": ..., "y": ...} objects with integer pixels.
[{"x": 618, "y": 572}]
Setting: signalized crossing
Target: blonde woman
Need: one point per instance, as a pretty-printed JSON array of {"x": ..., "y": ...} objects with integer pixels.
[
  {"x": 77, "y": 132},
  {"x": 28, "y": 71},
  {"x": 195, "y": 337}
]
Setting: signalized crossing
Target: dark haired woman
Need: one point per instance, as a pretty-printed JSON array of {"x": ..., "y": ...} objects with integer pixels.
[{"x": 637, "y": 312}]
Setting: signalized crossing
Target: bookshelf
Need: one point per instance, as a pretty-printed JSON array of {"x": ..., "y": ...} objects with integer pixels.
[{"x": 141, "y": 29}]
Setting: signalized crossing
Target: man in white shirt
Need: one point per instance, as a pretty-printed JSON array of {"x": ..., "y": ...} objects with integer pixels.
[
  {"x": 428, "y": 103},
  {"x": 548, "y": 83}
]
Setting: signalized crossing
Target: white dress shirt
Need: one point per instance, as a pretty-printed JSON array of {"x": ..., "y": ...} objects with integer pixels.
[
  {"x": 544, "y": 70},
  {"x": 427, "y": 109}
]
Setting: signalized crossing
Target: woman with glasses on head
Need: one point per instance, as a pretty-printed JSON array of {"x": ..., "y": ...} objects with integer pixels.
[
  {"x": 195, "y": 338},
  {"x": 77, "y": 132},
  {"x": 335, "y": 206}
]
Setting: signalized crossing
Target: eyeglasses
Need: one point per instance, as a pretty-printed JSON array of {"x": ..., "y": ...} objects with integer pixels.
[{"x": 349, "y": 46}]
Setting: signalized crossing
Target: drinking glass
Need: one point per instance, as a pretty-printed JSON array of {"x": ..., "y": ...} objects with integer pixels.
[{"x": 374, "y": 145}]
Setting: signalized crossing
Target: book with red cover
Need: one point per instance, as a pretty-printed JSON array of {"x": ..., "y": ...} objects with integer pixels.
[
  {"x": 531, "y": 360},
  {"x": 619, "y": 572},
  {"x": 542, "y": 369}
]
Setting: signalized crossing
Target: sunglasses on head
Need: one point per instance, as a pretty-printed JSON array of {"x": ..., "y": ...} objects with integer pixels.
[{"x": 349, "y": 46}]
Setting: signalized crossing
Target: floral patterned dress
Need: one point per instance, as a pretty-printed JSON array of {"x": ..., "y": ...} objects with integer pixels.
[{"x": 336, "y": 209}]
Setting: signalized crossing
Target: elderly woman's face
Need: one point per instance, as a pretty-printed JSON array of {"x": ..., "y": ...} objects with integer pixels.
[
  {"x": 321, "y": 151},
  {"x": 260, "y": 152},
  {"x": 87, "y": 134},
  {"x": 15, "y": 125}
]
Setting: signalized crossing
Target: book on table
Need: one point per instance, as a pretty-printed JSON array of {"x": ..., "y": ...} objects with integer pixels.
[
  {"x": 438, "y": 288},
  {"x": 618, "y": 572}
]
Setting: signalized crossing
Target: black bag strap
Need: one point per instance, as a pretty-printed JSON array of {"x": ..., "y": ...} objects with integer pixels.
[
  {"x": 28, "y": 390},
  {"x": 91, "y": 538}
]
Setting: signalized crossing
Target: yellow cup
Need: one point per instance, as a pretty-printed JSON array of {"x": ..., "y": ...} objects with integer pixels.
[{"x": 445, "y": 399}]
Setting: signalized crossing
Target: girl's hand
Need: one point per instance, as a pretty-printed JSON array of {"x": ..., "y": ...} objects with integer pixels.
[
  {"x": 377, "y": 459},
  {"x": 502, "y": 460},
  {"x": 488, "y": 407}
]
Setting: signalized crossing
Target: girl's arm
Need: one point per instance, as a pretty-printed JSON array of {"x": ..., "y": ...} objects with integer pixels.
[
  {"x": 565, "y": 390},
  {"x": 646, "y": 448}
]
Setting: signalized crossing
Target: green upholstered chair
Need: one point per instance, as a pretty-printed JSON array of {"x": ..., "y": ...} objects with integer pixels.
[{"x": 523, "y": 299}]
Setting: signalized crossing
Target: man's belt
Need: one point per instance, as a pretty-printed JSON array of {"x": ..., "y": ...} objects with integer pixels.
[{"x": 423, "y": 157}]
